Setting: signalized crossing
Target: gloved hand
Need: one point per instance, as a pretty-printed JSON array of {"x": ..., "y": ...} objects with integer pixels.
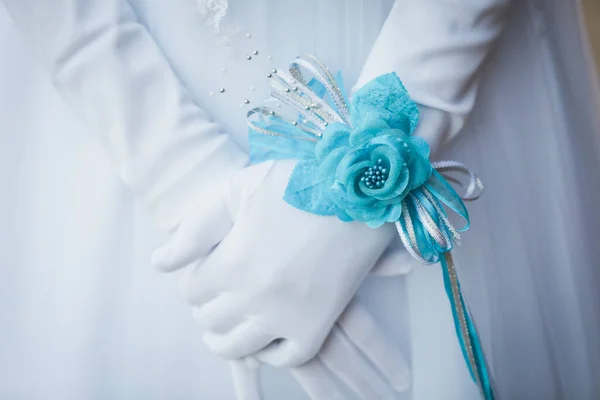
[
  {"x": 280, "y": 274},
  {"x": 355, "y": 341}
]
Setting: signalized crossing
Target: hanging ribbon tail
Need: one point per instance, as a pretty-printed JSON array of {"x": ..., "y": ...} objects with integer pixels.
[{"x": 466, "y": 331}]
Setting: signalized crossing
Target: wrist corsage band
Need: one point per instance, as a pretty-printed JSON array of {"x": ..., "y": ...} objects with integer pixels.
[{"x": 360, "y": 162}]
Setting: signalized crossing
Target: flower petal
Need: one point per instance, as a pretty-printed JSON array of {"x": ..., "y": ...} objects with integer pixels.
[
  {"x": 421, "y": 146},
  {"x": 350, "y": 174},
  {"x": 334, "y": 136},
  {"x": 419, "y": 164},
  {"x": 377, "y": 221},
  {"x": 420, "y": 171},
  {"x": 367, "y": 214},
  {"x": 327, "y": 168},
  {"x": 356, "y": 155},
  {"x": 386, "y": 92},
  {"x": 393, "y": 212},
  {"x": 342, "y": 215},
  {"x": 355, "y": 204},
  {"x": 371, "y": 125},
  {"x": 398, "y": 179}
]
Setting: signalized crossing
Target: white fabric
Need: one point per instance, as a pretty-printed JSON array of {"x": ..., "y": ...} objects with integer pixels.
[
  {"x": 244, "y": 298},
  {"x": 530, "y": 324},
  {"x": 355, "y": 350},
  {"x": 114, "y": 76},
  {"x": 272, "y": 276},
  {"x": 438, "y": 53}
]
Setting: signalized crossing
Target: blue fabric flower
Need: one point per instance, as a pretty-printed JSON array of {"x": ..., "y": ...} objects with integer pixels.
[
  {"x": 363, "y": 173},
  {"x": 367, "y": 171}
]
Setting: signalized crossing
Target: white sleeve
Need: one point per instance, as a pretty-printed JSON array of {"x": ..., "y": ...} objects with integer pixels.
[
  {"x": 437, "y": 48},
  {"x": 112, "y": 73}
]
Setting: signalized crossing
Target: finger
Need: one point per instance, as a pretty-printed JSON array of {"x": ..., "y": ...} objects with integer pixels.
[
  {"x": 200, "y": 282},
  {"x": 346, "y": 362},
  {"x": 364, "y": 333},
  {"x": 241, "y": 341},
  {"x": 219, "y": 314},
  {"x": 286, "y": 353},
  {"x": 195, "y": 237},
  {"x": 245, "y": 374},
  {"x": 316, "y": 381}
]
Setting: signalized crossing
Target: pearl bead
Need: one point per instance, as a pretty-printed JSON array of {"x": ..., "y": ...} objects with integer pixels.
[
  {"x": 270, "y": 57},
  {"x": 248, "y": 35},
  {"x": 379, "y": 161},
  {"x": 272, "y": 112},
  {"x": 222, "y": 90},
  {"x": 295, "y": 123},
  {"x": 287, "y": 90},
  {"x": 255, "y": 52},
  {"x": 269, "y": 75},
  {"x": 248, "y": 58},
  {"x": 362, "y": 179},
  {"x": 383, "y": 170},
  {"x": 295, "y": 88},
  {"x": 274, "y": 70},
  {"x": 246, "y": 101}
]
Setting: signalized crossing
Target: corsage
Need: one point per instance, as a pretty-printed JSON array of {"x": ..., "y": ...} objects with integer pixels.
[{"x": 359, "y": 161}]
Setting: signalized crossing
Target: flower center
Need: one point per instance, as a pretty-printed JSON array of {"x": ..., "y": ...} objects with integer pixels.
[{"x": 374, "y": 177}]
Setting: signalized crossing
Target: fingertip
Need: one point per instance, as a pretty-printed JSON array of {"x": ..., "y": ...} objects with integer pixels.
[
  {"x": 242, "y": 341},
  {"x": 402, "y": 381},
  {"x": 214, "y": 344},
  {"x": 158, "y": 261},
  {"x": 285, "y": 353}
]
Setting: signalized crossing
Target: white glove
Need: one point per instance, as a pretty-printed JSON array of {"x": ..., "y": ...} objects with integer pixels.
[
  {"x": 112, "y": 73},
  {"x": 279, "y": 274},
  {"x": 354, "y": 342},
  {"x": 437, "y": 48}
]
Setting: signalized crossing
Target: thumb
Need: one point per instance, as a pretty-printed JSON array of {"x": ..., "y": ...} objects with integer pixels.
[
  {"x": 245, "y": 373},
  {"x": 210, "y": 221},
  {"x": 196, "y": 236}
]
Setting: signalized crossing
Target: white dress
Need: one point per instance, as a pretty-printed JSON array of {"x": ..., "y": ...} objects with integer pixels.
[{"x": 83, "y": 316}]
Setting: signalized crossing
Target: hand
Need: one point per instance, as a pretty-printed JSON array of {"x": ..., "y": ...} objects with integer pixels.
[
  {"x": 280, "y": 274},
  {"x": 354, "y": 339}
]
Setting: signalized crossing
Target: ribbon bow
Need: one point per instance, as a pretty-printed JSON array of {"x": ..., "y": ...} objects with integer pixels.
[{"x": 359, "y": 161}]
